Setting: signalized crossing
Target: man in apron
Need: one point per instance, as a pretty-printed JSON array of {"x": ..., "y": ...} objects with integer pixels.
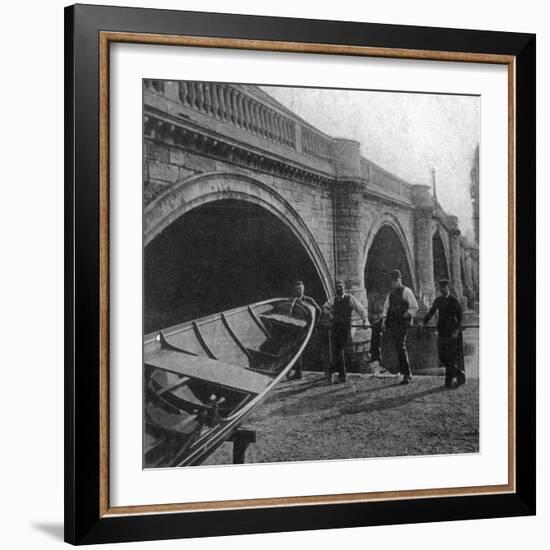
[{"x": 398, "y": 314}]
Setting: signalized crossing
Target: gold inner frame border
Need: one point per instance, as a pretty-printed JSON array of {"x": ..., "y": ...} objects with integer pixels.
[{"x": 105, "y": 40}]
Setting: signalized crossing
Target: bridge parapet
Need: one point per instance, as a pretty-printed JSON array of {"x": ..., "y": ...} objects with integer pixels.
[
  {"x": 247, "y": 126},
  {"x": 234, "y": 106},
  {"x": 316, "y": 145},
  {"x": 243, "y": 118},
  {"x": 382, "y": 183}
]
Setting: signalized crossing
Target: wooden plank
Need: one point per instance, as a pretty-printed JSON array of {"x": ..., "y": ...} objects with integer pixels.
[
  {"x": 209, "y": 370},
  {"x": 174, "y": 386}
]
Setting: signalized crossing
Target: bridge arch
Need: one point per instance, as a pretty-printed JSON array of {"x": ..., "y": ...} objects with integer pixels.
[
  {"x": 386, "y": 248},
  {"x": 226, "y": 195}
]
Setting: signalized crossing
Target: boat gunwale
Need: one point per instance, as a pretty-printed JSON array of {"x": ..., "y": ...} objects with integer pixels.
[{"x": 151, "y": 337}]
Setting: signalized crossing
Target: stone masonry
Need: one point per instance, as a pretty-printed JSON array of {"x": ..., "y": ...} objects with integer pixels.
[{"x": 205, "y": 142}]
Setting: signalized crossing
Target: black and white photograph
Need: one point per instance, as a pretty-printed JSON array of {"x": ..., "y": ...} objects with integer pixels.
[
  {"x": 310, "y": 273},
  {"x": 274, "y": 275}
]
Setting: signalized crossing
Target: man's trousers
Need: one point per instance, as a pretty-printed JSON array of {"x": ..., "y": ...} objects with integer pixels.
[
  {"x": 398, "y": 334},
  {"x": 339, "y": 337}
]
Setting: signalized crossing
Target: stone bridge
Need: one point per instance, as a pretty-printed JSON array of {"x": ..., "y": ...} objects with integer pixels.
[{"x": 242, "y": 196}]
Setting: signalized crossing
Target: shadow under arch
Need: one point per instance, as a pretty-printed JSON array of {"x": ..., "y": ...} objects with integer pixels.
[
  {"x": 385, "y": 249},
  {"x": 214, "y": 190}
]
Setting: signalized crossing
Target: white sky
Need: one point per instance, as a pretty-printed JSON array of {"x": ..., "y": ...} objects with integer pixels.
[{"x": 405, "y": 133}]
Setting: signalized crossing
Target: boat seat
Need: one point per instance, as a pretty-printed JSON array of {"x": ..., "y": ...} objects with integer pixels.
[
  {"x": 209, "y": 370},
  {"x": 263, "y": 361},
  {"x": 263, "y": 354},
  {"x": 185, "y": 394},
  {"x": 176, "y": 385},
  {"x": 285, "y": 320},
  {"x": 183, "y": 424}
]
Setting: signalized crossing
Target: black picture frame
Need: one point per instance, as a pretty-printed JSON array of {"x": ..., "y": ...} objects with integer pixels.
[{"x": 85, "y": 523}]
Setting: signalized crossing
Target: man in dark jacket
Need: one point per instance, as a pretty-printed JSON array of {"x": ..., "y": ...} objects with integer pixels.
[
  {"x": 449, "y": 325},
  {"x": 399, "y": 310},
  {"x": 300, "y": 297}
]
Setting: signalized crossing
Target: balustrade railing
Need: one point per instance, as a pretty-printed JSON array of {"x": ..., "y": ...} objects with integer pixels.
[
  {"x": 157, "y": 85},
  {"x": 228, "y": 104},
  {"x": 316, "y": 145},
  {"x": 388, "y": 181}
]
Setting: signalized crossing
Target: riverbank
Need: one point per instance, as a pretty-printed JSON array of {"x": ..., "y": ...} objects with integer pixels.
[{"x": 365, "y": 417}]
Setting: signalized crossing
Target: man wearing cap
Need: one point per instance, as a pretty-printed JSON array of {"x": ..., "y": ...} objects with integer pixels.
[
  {"x": 449, "y": 322},
  {"x": 339, "y": 310},
  {"x": 399, "y": 310},
  {"x": 300, "y": 297}
]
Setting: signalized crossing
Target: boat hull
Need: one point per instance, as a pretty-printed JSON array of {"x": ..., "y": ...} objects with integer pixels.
[{"x": 204, "y": 377}]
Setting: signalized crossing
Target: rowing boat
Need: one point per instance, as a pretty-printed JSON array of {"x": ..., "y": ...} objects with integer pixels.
[{"x": 202, "y": 378}]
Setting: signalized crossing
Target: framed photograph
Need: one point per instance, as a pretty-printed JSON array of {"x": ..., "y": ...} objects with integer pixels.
[{"x": 297, "y": 254}]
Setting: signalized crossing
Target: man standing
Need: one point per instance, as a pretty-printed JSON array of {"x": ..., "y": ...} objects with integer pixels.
[
  {"x": 399, "y": 310},
  {"x": 339, "y": 310},
  {"x": 449, "y": 322},
  {"x": 300, "y": 297}
]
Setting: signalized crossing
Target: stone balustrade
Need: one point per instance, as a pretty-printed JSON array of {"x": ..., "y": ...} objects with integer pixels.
[
  {"x": 156, "y": 85},
  {"x": 316, "y": 145},
  {"x": 229, "y": 104},
  {"x": 379, "y": 179},
  {"x": 235, "y": 106}
]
